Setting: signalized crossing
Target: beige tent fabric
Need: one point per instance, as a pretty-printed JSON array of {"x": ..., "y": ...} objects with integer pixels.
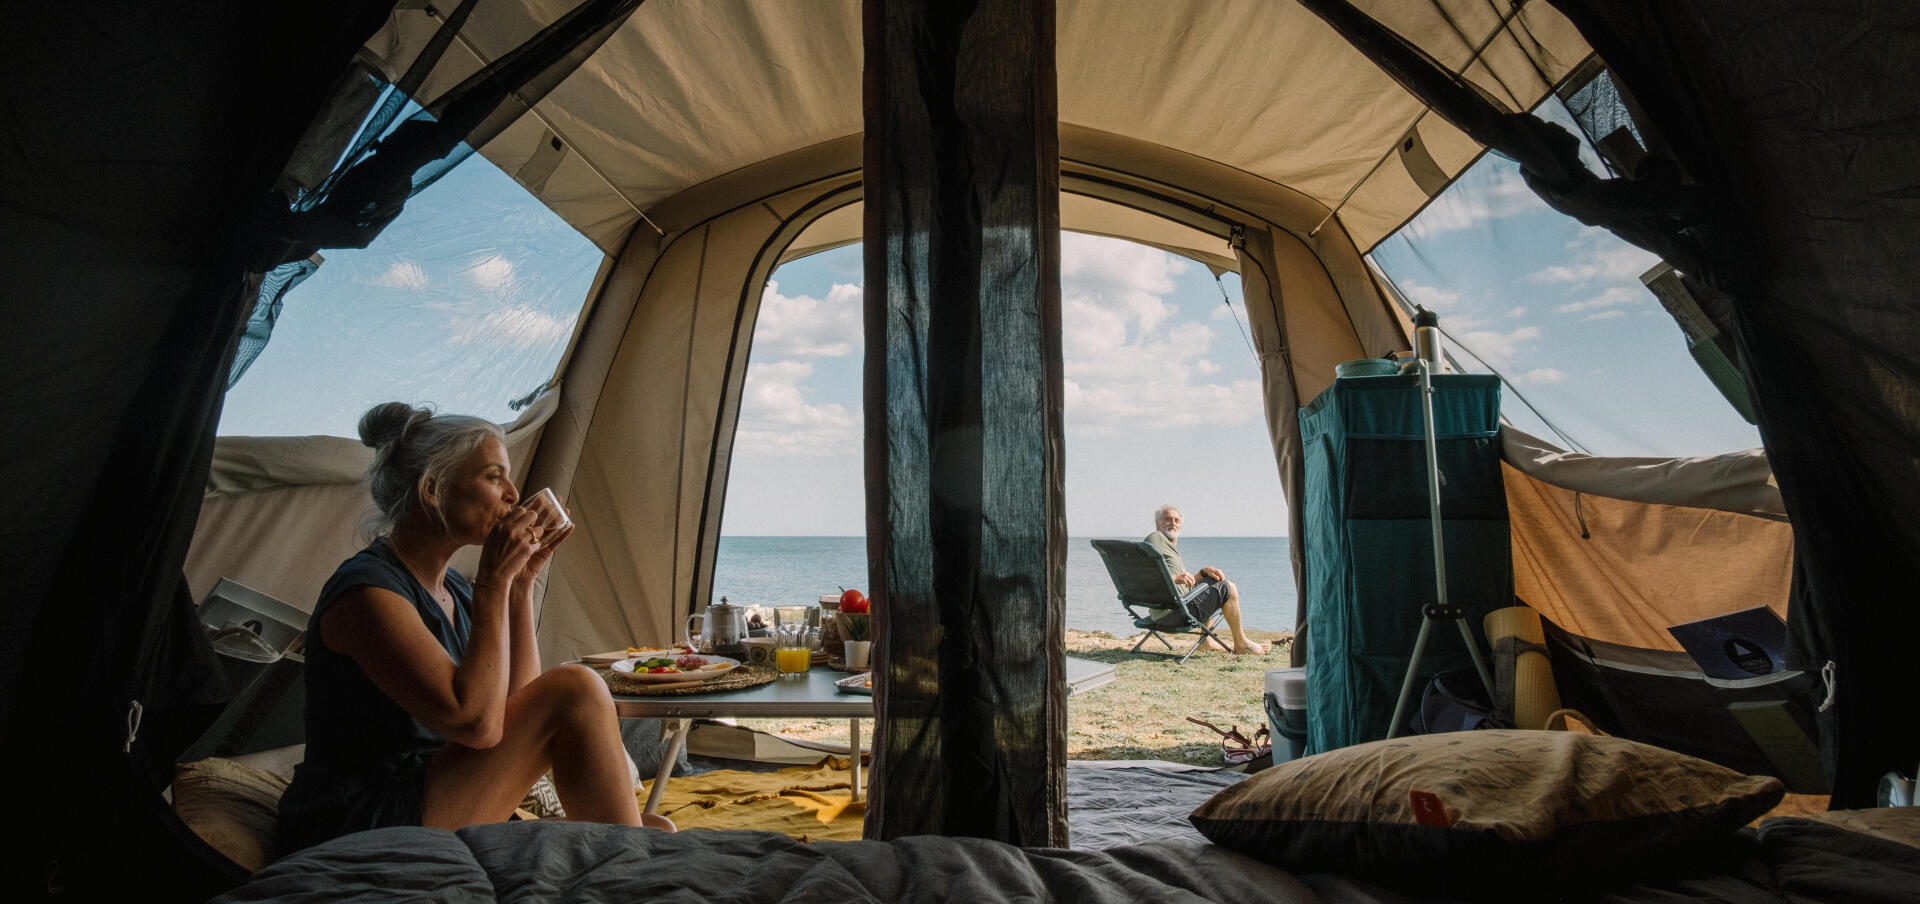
[
  {"x": 641, "y": 443},
  {"x": 1078, "y": 213},
  {"x": 687, "y": 91},
  {"x": 1302, "y": 326},
  {"x": 1639, "y": 567},
  {"x": 281, "y": 512},
  {"x": 650, "y": 479},
  {"x": 1740, "y": 482}
]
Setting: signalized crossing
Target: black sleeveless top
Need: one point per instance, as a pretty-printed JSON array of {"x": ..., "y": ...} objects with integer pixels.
[{"x": 366, "y": 757}]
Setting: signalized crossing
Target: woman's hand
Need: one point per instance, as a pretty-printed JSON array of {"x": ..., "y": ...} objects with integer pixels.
[
  {"x": 537, "y": 562},
  {"x": 509, "y": 548}
]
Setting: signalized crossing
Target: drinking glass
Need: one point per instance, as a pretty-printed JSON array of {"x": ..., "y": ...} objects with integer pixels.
[
  {"x": 549, "y": 517},
  {"x": 792, "y": 651}
]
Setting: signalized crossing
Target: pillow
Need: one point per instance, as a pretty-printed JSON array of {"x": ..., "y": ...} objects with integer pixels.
[
  {"x": 231, "y": 806},
  {"x": 1479, "y": 808}
]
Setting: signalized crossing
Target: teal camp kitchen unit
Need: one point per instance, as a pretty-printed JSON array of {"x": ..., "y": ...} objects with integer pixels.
[{"x": 1369, "y": 541}]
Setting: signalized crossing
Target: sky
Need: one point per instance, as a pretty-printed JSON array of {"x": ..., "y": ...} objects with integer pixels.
[{"x": 469, "y": 299}]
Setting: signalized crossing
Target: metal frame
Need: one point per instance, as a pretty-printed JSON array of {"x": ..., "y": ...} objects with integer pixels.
[{"x": 1153, "y": 632}]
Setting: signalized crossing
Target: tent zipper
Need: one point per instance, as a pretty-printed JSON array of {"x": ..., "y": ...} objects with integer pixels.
[
  {"x": 134, "y": 712},
  {"x": 1827, "y": 678}
]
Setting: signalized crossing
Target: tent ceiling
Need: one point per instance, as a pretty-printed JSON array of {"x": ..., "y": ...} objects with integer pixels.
[
  {"x": 689, "y": 90},
  {"x": 1078, "y": 213}
]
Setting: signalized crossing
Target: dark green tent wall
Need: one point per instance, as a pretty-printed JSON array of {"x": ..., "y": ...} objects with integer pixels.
[{"x": 142, "y": 138}]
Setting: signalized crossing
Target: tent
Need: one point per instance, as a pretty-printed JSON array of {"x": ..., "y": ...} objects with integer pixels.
[{"x": 700, "y": 144}]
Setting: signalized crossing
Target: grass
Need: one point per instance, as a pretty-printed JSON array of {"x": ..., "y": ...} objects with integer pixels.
[{"x": 1142, "y": 714}]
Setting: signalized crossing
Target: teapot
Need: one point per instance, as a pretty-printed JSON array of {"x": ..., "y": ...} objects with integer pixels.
[{"x": 722, "y": 631}]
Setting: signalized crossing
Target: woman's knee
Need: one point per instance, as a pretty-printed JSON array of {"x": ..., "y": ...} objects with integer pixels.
[{"x": 580, "y": 690}]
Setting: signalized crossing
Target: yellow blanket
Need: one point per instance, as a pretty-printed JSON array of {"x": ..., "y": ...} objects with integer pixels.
[{"x": 810, "y": 803}]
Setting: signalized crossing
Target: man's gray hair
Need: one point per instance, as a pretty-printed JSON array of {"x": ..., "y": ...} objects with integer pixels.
[{"x": 1169, "y": 507}]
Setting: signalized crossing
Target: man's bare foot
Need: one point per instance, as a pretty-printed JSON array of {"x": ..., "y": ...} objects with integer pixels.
[
  {"x": 1250, "y": 649},
  {"x": 1211, "y": 645}
]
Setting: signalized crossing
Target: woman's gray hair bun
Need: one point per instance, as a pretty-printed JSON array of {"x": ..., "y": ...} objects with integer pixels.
[
  {"x": 414, "y": 447},
  {"x": 387, "y": 422}
]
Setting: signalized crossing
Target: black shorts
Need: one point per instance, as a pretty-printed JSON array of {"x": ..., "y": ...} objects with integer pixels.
[{"x": 1200, "y": 604}]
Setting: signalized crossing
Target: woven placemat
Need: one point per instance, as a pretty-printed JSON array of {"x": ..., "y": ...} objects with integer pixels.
[{"x": 742, "y": 677}]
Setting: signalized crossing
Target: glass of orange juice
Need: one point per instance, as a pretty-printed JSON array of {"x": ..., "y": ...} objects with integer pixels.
[{"x": 792, "y": 650}]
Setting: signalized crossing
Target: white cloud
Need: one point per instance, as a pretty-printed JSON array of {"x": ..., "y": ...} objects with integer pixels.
[
  {"x": 1605, "y": 315},
  {"x": 515, "y": 325},
  {"x": 1543, "y": 375},
  {"x": 1497, "y": 348},
  {"x": 1520, "y": 311},
  {"x": 1612, "y": 297},
  {"x": 1503, "y": 195},
  {"x": 801, "y": 326},
  {"x": 777, "y": 421},
  {"x": 402, "y": 275},
  {"x": 1221, "y": 313},
  {"x": 491, "y": 273},
  {"x": 1598, "y": 255},
  {"x": 1129, "y": 364},
  {"x": 1432, "y": 298},
  {"x": 1123, "y": 279}
]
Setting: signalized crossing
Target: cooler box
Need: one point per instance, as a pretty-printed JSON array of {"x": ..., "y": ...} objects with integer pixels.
[{"x": 1286, "y": 699}]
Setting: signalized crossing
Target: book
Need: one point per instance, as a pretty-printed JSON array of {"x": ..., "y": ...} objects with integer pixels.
[{"x": 1744, "y": 644}]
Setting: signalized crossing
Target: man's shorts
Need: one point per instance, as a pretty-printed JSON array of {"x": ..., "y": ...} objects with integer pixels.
[{"x": 1201, "y": 603}]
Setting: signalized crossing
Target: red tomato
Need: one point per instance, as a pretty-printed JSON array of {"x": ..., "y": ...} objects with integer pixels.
[
  {"x": 853, "y": 602},
  {"x": 661, "y": 669}
]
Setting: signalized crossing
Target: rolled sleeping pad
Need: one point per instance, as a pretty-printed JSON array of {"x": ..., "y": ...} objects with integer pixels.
[
  {"x": 1286, "y": 700},
  {"x": 1523, "y": 677}
]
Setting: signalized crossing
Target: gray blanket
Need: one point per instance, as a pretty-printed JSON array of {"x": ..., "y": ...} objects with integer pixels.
[
  {"x": 580, "y": 862},
  {"x": 1789, "y": 862}
]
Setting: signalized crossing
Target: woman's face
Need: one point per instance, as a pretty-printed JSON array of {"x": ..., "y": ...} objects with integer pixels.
[{"x": 478, "y": 493}]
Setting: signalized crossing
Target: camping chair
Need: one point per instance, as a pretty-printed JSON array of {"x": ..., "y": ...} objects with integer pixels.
[{"x": 1140, "y": 574}]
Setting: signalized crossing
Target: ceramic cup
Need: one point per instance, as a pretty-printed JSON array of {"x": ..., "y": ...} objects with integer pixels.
[
  {"x": 857, "y": 652},
  {"x": 760, "y": 652}
]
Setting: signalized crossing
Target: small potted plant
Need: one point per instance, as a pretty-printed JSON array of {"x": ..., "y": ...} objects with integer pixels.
[{"x": 855, "y": 620}]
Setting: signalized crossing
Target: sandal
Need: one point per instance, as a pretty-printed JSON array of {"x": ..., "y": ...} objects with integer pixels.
[{"x": 1235, "y": 748}]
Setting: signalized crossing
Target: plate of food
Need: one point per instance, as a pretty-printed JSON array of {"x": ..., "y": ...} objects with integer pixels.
[
  {"x": 655, "y": 666},
  {"x": 603, "y": 660},
  {"x": 856, "y": 684}
]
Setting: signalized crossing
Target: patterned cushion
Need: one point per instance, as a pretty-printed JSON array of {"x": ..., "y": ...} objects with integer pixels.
[
  {"x": 1469, "y": 808},
  {"x": 231, "y": 806}
]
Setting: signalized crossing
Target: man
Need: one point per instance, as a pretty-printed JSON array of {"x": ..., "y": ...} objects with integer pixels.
[{"x": 1205, "y": 593}]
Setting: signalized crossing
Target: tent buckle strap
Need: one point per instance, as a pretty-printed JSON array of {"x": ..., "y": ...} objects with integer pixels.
[
  {"x": 1827, "y": 678},
  {"x": 134, "y": 712},
  {"x": 1438, "y": 610}
]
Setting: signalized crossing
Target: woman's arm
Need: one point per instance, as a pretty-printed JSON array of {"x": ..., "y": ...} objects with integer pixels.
[
  {"x": 383, "y": 634},
  {"x": 525, "y": 655}
]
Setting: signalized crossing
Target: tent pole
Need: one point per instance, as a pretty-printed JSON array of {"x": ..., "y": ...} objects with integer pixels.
[{"x": 1441, "y": 607}]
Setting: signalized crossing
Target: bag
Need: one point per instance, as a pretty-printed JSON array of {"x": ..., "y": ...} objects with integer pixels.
[{"x": 1456, "y": 701}]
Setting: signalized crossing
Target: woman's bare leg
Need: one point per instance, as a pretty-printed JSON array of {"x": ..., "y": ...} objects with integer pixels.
[{"x": 563, "y": 719}]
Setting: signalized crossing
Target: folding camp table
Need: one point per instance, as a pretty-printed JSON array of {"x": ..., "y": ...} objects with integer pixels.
[{"x": 814, "y": 696}]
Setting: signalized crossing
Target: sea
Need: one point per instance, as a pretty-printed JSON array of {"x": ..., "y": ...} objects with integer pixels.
[{"x": 768, "y": 571}]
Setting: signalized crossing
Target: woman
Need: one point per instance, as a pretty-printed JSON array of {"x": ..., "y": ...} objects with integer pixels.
[{"x": 426, "y": 704}]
